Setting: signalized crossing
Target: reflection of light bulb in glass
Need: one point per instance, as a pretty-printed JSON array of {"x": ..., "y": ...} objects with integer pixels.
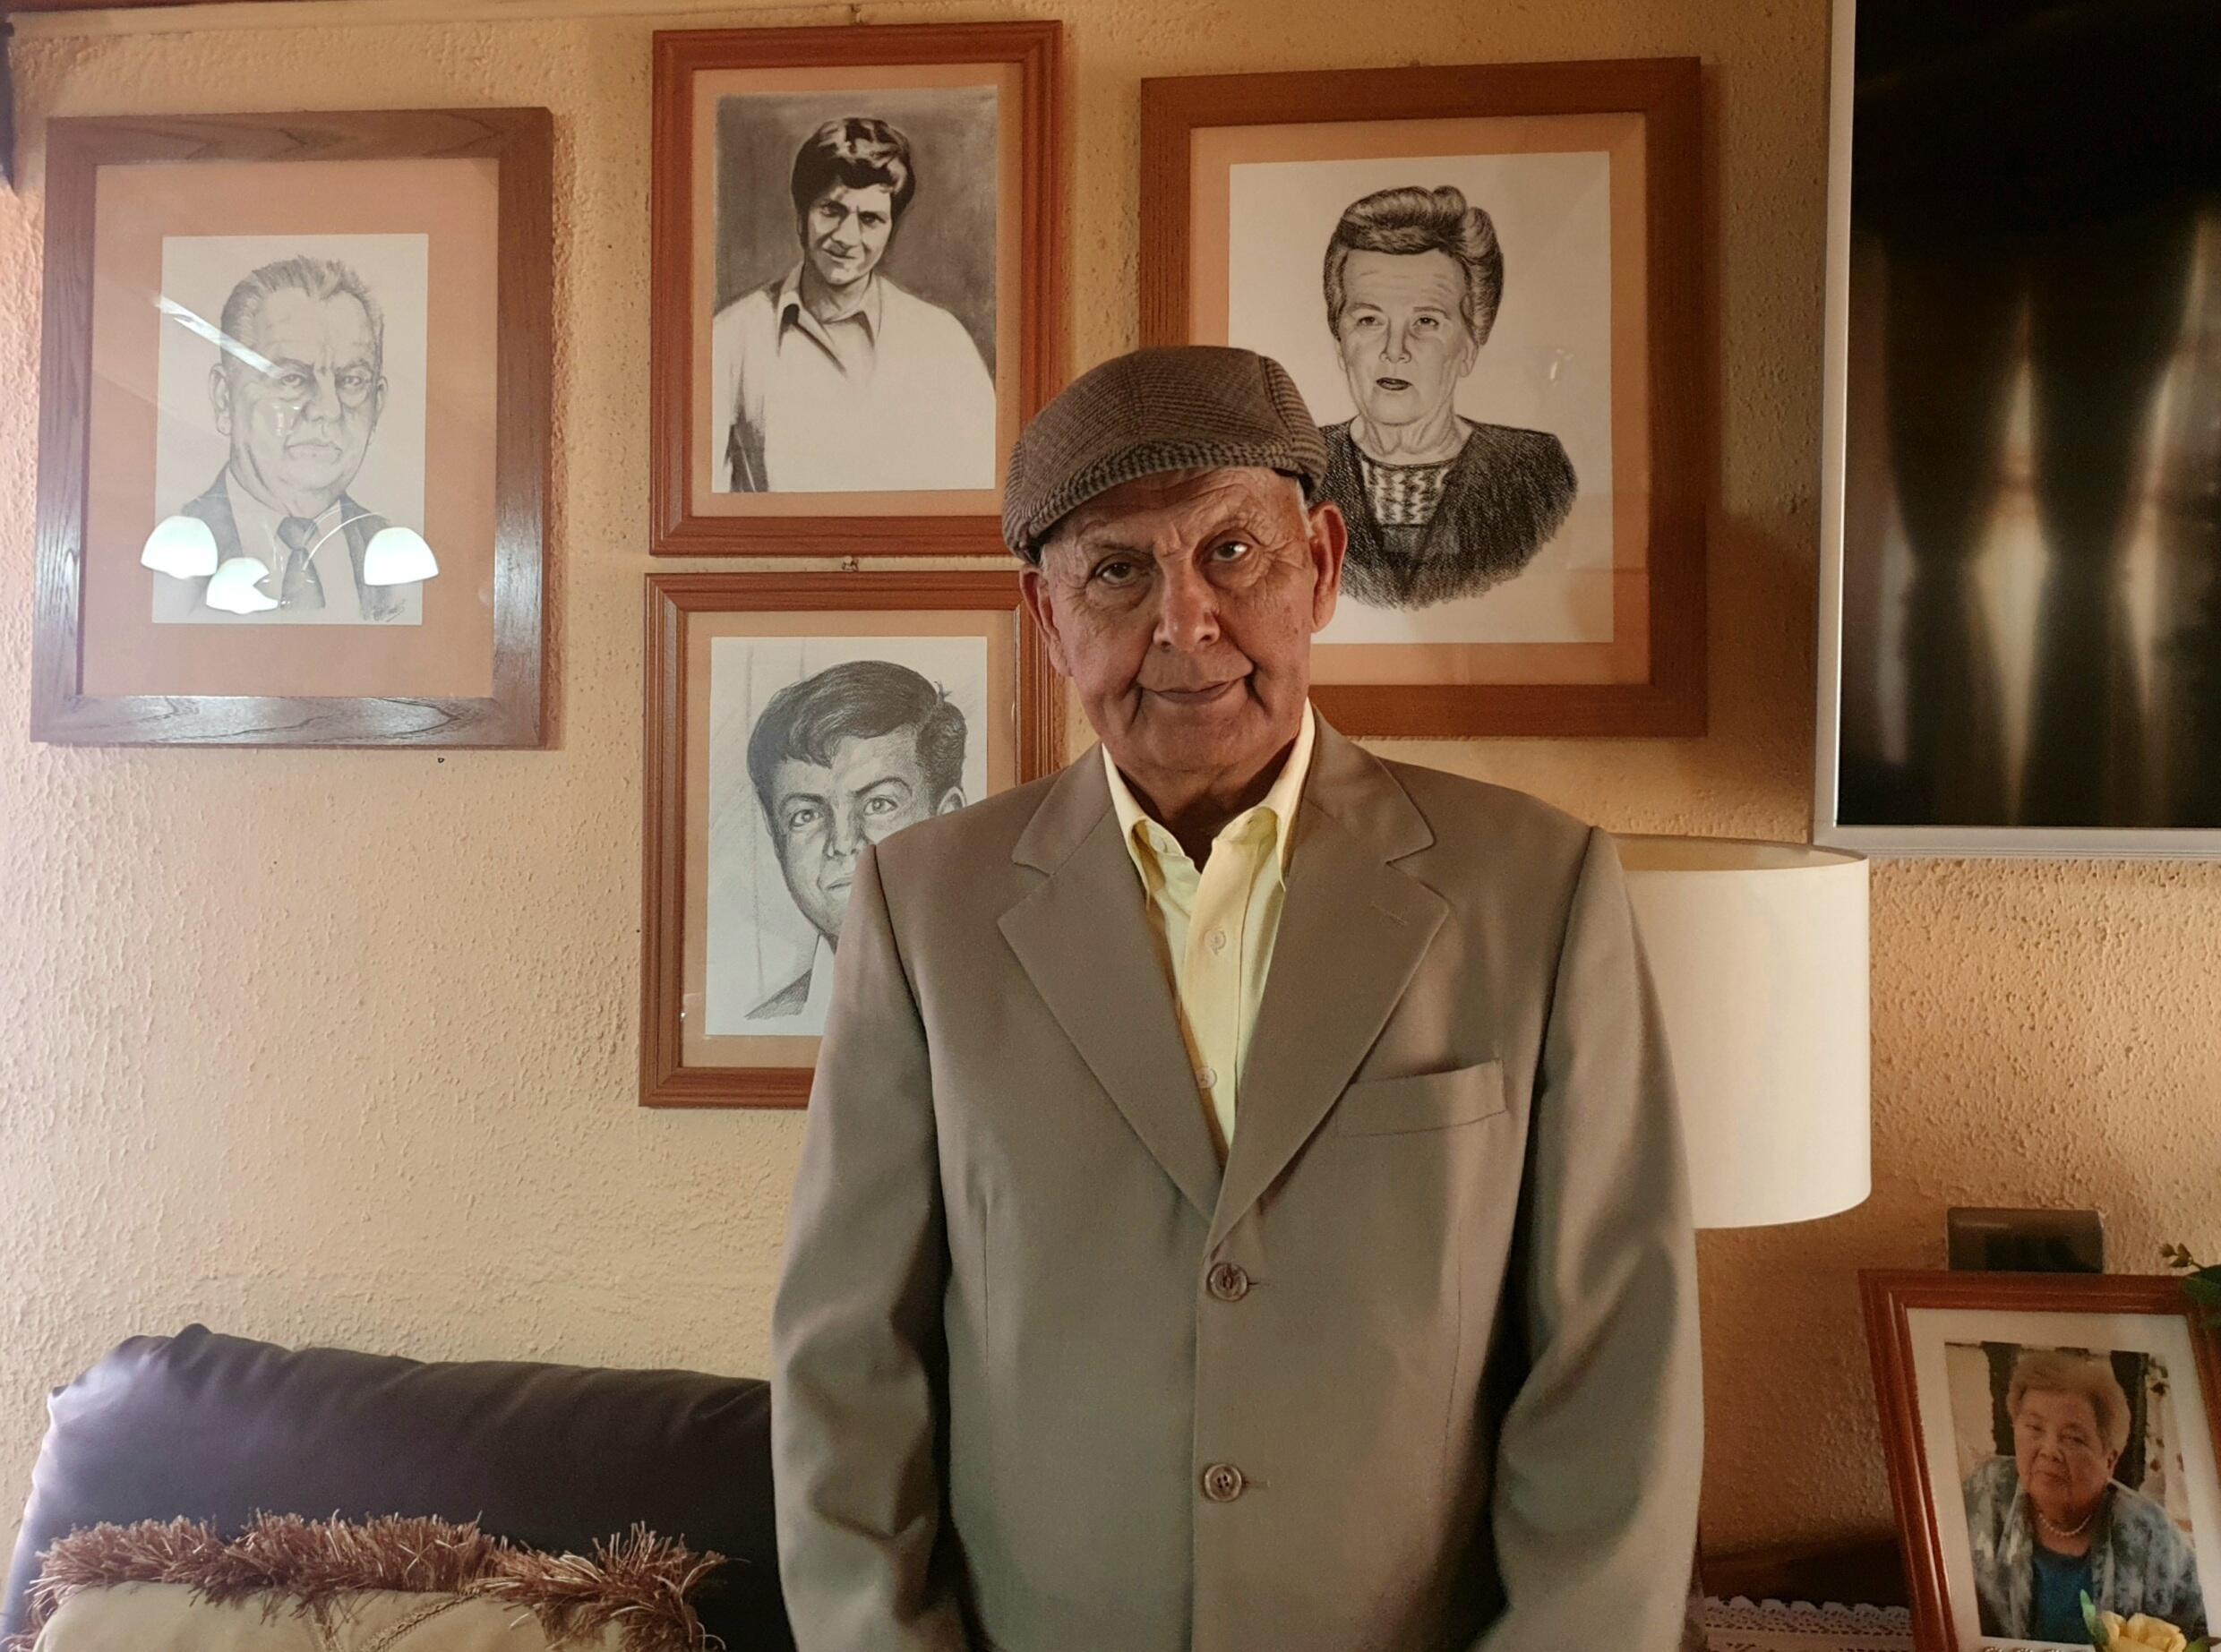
[
  {"x": 235, "y": 587},
  {"x": 181, "y": 546},
  {"x": 397, "y": 556}
]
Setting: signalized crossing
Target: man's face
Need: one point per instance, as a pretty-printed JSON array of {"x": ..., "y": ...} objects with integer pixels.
[
  {"x": 845, "y": 233},
  {"x": 1403, "y": 341},
  {"x": 824, "y": 813},
  {"x": 1181, "y": 606},
  {"x": 300, "y": 424}
]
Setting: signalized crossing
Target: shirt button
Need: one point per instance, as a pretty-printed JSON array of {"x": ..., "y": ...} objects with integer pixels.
[
  {"x": 1206, "y": 1076},
  {"x": 1215, "y": 940},
  {"x": 1228, "y": 1282},
  {"x": 1222, "y": 1482}
]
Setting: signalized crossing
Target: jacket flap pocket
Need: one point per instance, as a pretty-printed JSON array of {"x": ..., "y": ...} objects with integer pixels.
[{"x": 1423, "y": 1101}]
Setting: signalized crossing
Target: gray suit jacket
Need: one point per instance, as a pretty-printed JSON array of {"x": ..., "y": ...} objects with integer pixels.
[{"x": 1438, "y": 1309}]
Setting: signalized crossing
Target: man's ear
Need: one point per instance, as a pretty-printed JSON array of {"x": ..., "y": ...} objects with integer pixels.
[
  {"x": 219, "y": 397},
  {"x": 1041, "y": 604},
  {"x": 1330, "y": 540},
  {"x": 378, "y": 402},
  {"x": 951, "y": 801}
]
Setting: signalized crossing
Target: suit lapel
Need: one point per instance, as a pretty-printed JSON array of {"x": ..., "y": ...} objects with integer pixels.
[
  {"x": 1352, "y": 931},
  {"x": 1084, "y": 939}
]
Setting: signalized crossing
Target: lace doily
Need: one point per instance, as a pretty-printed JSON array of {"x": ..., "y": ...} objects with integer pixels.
[{"x": 1741, "y": 1625}]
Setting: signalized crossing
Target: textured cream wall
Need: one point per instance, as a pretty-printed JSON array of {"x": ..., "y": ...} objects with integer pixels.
[{"x": 383, "y": 1094}]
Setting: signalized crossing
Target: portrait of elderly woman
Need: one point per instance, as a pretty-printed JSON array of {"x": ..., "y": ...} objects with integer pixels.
[
  {"x": 1439, "y": 506},
  {"x": 2053, "y": 1521},
  {"x": 830, "y": 377}
]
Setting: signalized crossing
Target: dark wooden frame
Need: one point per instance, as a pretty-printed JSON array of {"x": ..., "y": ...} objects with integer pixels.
[
  {"x": 521, "y": 140},
  {"x": 665, "y": 1078},
  {"x": 1666, "y": 93},
  {"x": 1036, "y": 47},
  {"x": 1889, "y": 1296}
]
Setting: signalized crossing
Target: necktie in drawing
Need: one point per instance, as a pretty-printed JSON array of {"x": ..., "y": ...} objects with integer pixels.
[{"x": 299, "y": 587}]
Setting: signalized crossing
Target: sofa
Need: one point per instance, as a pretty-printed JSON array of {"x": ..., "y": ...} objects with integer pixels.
[{"x": 220, "y": 1429}]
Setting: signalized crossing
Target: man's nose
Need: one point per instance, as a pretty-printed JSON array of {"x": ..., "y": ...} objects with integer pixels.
[
  {"x": 323, "y": 402},
  {"x": 844, "y": 840},
  {"x": 1399, "y": 342},
  {"x": 1187, "y": 609}
]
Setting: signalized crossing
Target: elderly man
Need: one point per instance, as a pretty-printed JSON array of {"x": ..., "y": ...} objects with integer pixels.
[
  {"x": 297, "y": 392},
  {"x": 1242, "y": 1204}
]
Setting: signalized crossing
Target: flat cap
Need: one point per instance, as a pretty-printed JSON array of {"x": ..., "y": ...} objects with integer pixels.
[{"x": 1188, "y": 406}]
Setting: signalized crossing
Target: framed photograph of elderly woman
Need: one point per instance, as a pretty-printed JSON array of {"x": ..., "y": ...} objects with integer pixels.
[
  {"x": 294, "y": 429},
  {"x": 1484, "y": 281},
  {"x": 855, "y": 283},
  {"x": 2050, "y": 1436},
  {"x": 793, "y": 720}
]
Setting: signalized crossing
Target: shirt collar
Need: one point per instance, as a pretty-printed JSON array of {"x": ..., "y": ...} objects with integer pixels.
[
  {"x": 256, "y": 524},
  {"x": 792, "y": 311},
  {"x": 1146, "y": 838}
]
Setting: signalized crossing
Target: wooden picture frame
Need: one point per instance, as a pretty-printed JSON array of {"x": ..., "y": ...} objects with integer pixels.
[
  {"x": 710, "y": 1035},
  {"x": 135, "y": 204},
  {"x": 735, "y": 109},
  {"x": 1945, "y": 1348},
  {"x": 1534, "y": 603}
]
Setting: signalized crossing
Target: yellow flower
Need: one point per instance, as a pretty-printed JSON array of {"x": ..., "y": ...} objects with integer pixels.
[{"x": 2141, "y": 1633}]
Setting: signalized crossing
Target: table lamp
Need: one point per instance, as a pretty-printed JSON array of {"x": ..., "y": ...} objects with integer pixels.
[{"x": 1759, "y": 954}]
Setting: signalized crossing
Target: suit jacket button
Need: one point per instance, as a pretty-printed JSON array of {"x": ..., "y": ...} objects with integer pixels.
[
  {"x": 1228, "y": 1282},
  {"x": 1222, "y": 1482}
]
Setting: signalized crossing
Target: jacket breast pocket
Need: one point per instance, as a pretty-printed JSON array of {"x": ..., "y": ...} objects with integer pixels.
[{"x": 1423, "y": 1101}]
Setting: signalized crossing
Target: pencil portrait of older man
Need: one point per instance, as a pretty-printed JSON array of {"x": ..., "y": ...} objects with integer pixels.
[
  {"x": 831, "y": 377},
  {"x": 297, "y": 390},
  {"x": 1242, "y": 1206}
]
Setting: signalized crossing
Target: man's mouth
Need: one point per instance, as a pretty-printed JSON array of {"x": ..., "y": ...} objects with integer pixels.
[
  {"x": 1198, "y": 697},
  {"x": 1393, "y": 384},
  {"x": 323, "y": 451}
]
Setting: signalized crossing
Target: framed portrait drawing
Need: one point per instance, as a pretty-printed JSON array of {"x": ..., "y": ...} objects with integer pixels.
[
  {"x": 793, "y": 719},
  {"x": 855, "y": 283},
  {"x": 2019, "y": 594},
  {"x": 2049, "y": 1436},
  {"x": 1485, "y": 282},
  {"x": 293, "y": 430}
]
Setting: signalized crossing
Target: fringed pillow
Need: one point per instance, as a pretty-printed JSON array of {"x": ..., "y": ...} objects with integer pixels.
[{"x": 391, "y": 1585}]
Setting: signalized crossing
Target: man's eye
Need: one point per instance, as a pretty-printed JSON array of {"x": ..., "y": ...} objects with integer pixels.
[
  {"x": 354, "y": 382},
  {"x": 1365, "y": 320},
  {"x": 878, "y": 806},
  {"x": 872, "y": 220},
  {"x": 1232, "y": 550},
  {"x": 291, "y": 383},
  {"x": 1116, "y": 572},
  {"x": 1429, "y": 321},
  {"x": 797, "y": 818}
]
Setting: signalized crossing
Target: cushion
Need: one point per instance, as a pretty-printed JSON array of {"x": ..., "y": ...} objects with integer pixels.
[
  {"x": 394, "y": 1585},
  {"x": 169, "y": 1617},
  {"x": 554, "y": 1458}
]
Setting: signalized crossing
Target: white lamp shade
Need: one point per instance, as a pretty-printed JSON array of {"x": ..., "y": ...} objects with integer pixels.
[
  {"x": 397, "y": 556},
  {"x": 1759, "y": 954},
  {"x": 236, "y": 587},
  {"x": 182, "y": 546}
]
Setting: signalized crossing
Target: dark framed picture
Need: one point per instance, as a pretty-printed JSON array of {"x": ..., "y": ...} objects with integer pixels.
[
  {"x": 293, "y": 425},
  {"x": 1485, "y": 282},
  {"x": 794, "y": 719},
  {"x": 855, "y": 283},
  {"x": 2019, "y": 597},
  {"x": 2049, "y": 1436}
]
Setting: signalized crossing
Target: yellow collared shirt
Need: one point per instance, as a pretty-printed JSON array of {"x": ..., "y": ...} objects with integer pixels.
[{"x": 1216, "y": 927}]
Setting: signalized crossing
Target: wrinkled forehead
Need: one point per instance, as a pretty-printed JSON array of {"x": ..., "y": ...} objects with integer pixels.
[
  {"x": 1403, "y": 280},
  {"x": 293, "y": 325},
  {"x": 1170, "y": 511}
]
